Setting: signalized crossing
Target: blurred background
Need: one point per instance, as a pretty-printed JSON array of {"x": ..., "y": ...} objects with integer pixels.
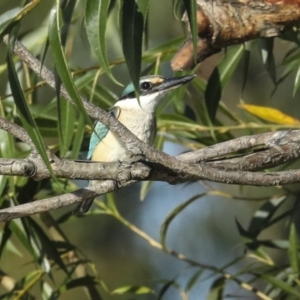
[{"x": 206, "y": 230}]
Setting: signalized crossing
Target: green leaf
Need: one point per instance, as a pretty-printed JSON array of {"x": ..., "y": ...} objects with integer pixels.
[
  {"x": 96, "y": 14},
  {"x": 61, "y": 63},
  {"x": 246, "y": 63},
  {"x": 66, "y": 126},
  {"x": 191, "y": 9},
  {"x": 297, "y": 82},
  {"x": 193, "y": 280},
  {"x": 7, "y": 242},
  {"x": 28, "y": 282},
  {"x": 143, "y": 6},
  {"x": 220, "y": 77},
  {"x": 17, "y": 228},
  {"x": 277, "y": 283},
  {"x": 9, "y": 18},
  {"x": 24, "y": 112},
  {"x": 44, "y": 246},
  {"x": 170, "y": 217},
  {"x": 164, "y": 51},
  {"x": 217, "y": 289},
  {"x": 5, "y": 237},
  {"x": 166, "y": 287},
  {"x": 83, "y": 281},
  {"x": 293, "y": 251},
  {"x": 102, "y": 96},
  {"x": 265, "y": 46},
  {"x": 262, "y": 217},
  {"x": 66, "y": 112},
  {"x": 7, "y": 150},
  {"x": 78, "y": 138},
  {"x": 131, "y": 26}
]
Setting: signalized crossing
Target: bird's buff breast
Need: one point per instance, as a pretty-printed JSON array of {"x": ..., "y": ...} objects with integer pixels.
[{"x": 111, "y": 148}]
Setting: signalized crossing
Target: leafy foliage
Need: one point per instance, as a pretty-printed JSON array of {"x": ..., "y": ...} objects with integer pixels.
[{"x": 50, "y": 256}]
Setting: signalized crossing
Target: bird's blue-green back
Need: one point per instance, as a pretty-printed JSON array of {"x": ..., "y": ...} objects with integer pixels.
[{"x": 100, "y": 132}]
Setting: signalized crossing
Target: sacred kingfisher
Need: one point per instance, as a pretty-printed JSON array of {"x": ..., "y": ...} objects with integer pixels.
[{"x": 137, "y": 114}]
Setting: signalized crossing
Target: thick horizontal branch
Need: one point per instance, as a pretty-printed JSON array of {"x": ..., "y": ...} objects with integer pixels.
[
  {"x": 227, "y": 22},
  {"x": 278, "y": 148},
  {"x": 269, "y": 139}
]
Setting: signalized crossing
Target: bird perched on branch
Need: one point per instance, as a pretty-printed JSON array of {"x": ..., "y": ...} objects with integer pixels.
[{"x": 138, "y": 115}]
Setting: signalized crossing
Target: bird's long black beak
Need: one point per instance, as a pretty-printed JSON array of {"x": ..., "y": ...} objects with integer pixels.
[{"x": 172, "y": 83}]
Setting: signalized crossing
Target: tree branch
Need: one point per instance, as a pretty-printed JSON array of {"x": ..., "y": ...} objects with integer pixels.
[
  {"x": 204, "y": 164},
  {"x": 16, "y": 131}
]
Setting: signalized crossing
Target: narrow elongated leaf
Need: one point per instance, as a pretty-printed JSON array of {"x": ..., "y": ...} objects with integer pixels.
[
  {"x": 263, "y": 216},
  {"x": 217, "y": 289},
  {"x": 265, "y": 47},
  {"x": 269, "y": 114},
  {"x": 166, "y": 287},
  {"x": 191, "y": 9},
  {"x": 243, "y": 232},
  {"x": 137, "y": 290},
  {"x": 45, "y": 111},
  {"x": 67, "y": 8},
  {"x": 16, "y": 14},
  {"x": 220, "y": 77},
  {"x": 5, "y": 237},
  {"x": 66, "y": 112},
  {"x": 96, "y": 14},
  {"x": 84, "y": 281},
  {"x": 17, "y": 228},
  {"x": 193, "y": 280},
  {"x": 102, "y": 97},
  {"x": 66, "y": 125},
  {"x": 24, "y": 112},
  {"x": 246, "y": 63},
  {"x": 78, "y": 138},
  {"x": 143, "y": 7},
  {"x": 293, "y": 250},
  {"x": 61, "y": 63},
  {"x": 7, "y": 150},
  {"x": 170, "y": 217},
  {"x": 280, "y": 284},
  {"x": 297, "y": 82},
  {"x": 45, "y": 245},
  {"x": 164, "y": 51},
  {"x": 29, "y": 281},
  {"x": 131, "y": 26}
]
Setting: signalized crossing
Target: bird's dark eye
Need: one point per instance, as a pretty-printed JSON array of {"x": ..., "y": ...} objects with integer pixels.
[{"x": 145, "y": 86}]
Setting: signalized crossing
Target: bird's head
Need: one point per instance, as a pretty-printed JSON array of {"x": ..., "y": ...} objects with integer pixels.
[{"x": 151, "y": 88}]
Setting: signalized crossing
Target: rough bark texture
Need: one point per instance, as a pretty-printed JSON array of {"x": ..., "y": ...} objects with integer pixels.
[{"x": 226, "y": 22}]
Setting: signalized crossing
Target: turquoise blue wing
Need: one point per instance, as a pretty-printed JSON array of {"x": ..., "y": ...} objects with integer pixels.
[
  {"x": 98, "y": 135},
  {"x": 100, "y": 132}
]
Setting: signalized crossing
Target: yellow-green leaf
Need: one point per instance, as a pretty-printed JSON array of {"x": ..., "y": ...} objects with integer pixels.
[
  {"x": 269, "y": 114},
  {"x": 138, "y": 290}
]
